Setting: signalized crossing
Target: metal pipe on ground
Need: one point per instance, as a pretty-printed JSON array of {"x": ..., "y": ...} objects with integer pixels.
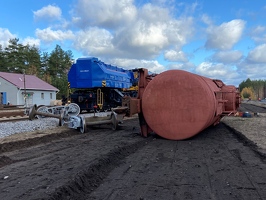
[{"x": 33, "y": 112}]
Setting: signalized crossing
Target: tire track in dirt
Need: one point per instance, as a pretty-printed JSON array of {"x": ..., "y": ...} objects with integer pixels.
[
  {"x": 105, "y": 164},
  {"x": 91, "y": 178},
  {"x": 20, "y": 145},
  {"x": 200, "y": 168},
  {"x": 14, "y": 145},
  {"x": 39, "y": 177}
]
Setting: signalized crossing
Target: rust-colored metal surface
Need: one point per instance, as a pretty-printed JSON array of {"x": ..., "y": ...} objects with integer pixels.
[{"x": 178, "y": 105}]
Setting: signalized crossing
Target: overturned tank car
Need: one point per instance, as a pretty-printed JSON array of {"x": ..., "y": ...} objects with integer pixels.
[{"x": 178, "y": 105}]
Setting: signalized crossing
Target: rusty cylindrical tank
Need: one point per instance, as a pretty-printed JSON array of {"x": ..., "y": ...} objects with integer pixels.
[{"x": 178, "y": 105}]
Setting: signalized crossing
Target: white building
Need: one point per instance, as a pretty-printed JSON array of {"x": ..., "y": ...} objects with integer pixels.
[{"x": 20, "y": 89}]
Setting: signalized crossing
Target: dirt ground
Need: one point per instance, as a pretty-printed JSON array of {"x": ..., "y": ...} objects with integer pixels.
[{"x": 219, "y": 163}]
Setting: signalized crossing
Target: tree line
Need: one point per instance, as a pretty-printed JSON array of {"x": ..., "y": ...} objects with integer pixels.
[
  {"x": 51, "y": 67},
  {"x": 253, "y": 89}
]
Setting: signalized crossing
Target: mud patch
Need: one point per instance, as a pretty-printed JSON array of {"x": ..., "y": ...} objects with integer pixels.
[
  {"x": 5, "y": 160},
  {"x": 89, "y": 179},
  {"x": 14, "y": 145}
]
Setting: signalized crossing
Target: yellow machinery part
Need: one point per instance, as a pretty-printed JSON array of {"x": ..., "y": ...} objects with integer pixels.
[{"x": 100, "y": 98}]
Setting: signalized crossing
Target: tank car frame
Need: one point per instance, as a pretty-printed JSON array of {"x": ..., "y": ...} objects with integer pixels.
[{"x": 178, "y": 105}]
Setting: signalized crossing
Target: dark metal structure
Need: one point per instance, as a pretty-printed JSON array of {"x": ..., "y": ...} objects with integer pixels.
[{"x": 98, "y": 84}]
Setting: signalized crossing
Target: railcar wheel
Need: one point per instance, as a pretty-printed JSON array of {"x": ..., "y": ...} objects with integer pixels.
[
  {"x": 73, "y": 109},
  {"x": 114, "y": 121},
  {"x": 83, "y": 127},
  {"x": 43, "y": 109}
]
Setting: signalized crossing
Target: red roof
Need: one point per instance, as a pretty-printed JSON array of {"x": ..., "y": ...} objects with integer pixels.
[{"x": 31, "y": 81}]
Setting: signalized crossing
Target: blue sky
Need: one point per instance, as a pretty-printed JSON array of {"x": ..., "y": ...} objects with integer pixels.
[{"x": 218, "y": 39}]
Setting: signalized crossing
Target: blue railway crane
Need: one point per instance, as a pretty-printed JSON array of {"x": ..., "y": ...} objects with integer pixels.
[{"x": 96, "y": 84}]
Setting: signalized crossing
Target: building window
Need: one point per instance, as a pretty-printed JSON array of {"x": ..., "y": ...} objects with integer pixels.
[
  {"x": 51, "y": 96},
  {"x": 42, "y": 95}
]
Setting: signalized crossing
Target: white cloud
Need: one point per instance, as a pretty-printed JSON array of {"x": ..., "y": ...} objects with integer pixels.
[
  {"x": 188, "y": 66},
  {"x": 172, "y": 55},
  {"x": 150, "y": 35},
  {"x": 217, "y": 71},
  {"x": 152, "y": 65},
  {"x": 5, "y": 36},
  {"x": 258, "y": 34},
  {"x": 225, "y": 36},
  {"x": 210, "y": 70},
  {"x": 31, "y": 41},
  {"x": 49, "y": 35},
  {"x": 125, "y": 32},
  {"x": 254, "y": 66},
  {"x": 94, "y": 41},
  {"x": 179, "y": 31},
  {"x": 206, "y": 19},
  {"x": 153, "y": 14},
  {"x": 227, "y": 56},
  {"x": 257, "y": 55},
  {"x": 102, "y": 13},
  {"x": 253, "y": 70},
  {"x": 48, "y": 12},
  {"x": 259, "y": 29},
  {"x": 145, "y": 39}
]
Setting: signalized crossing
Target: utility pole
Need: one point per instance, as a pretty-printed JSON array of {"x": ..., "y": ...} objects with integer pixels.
[{"x": 24, "y": 88}]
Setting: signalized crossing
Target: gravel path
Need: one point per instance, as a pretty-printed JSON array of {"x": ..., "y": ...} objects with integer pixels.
[
  {"x": 254, "y": 128},
  {"x": 10, "y": 128}
]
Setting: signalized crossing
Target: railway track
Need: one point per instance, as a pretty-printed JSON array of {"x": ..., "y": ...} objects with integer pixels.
[
  {"x": 252, "y": 108},
  {"x": 12, "y": 113}
]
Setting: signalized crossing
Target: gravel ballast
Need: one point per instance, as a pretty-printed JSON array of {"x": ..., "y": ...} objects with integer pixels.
[{"x": 10, "y": 128}]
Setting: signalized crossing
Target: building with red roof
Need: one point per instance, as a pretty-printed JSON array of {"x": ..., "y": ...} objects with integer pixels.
[{"x": 21, "y": 89}]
